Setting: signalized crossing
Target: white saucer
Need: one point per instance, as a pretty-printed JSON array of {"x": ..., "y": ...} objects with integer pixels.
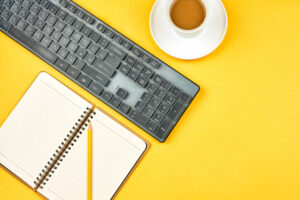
[{"x": 188, "y": 48}]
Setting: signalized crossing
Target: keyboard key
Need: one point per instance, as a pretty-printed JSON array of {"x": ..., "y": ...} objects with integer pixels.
[
  {"x": 23, "y": 13},
  {"x": 166, "y": 85},
  {"x": 71, "y": 7},
  {"x": 140, "y": 106},
  {"x": 95, "y": 36},
  {"x": 160, "y": 94},
  {"x": 76, "y": 36},
  {"x": 84, "y": 42},
  {"x": 101, "y": 28},
  {"x": 64, "y": 41},
  {"x": 30, "y": 30},
  {"x": 116, "y": 51},
  {"x": 170, "y": 100},
  {"x": 6, "y": 14},
  {"x": 45, "y": 3},
  {"x": 31, "y": 18},
  {"x": 55, "y": 36},
  {"x": 54, "y": 47},
  {"x": 142, "y": 81},
  {"x": 148, "y": 72},
  {"x": 42, "y": 14},
  {"x": 154, "y": 64},
  {"x": 64, "y": 3},
  {"x": 118, "y": 39},
  {"x": 15, "y": 8},
  {"x": 61, "y": 14},
  {"x": 113, "y": 61},
  {"x": 138, "y": 117},
  {"x": 51, "y": 20},
  {"x": 152, "y": 88},
  {"x": 158, "y": 79},
  {"x": 122, "y": 93},
  {"x": 70, "y": 58},
  {"x": 146, "y": 97},
  {"x": 84, "y": 80},
  {"x": 72, "y": 46},
  {"x": 79, "y": 13},
  {"x": 78, "y": 25},
  {"x": 59, "y": 25},
  {"x": 130, "y": 60},
  {"x": 115, "y": 101},
  {"x": 163, "y": 129},
  {"x": 79, "y": 64},
  {"x": 8, "y": 3},
  {"x": 53, "y": 8},
  {"x": 127, "y": 45},
  {"x": 95, "y": 88},
  {"x": 89, "y": 19},
  {"x": 34, "y": 9},
  {"x": 138, "y": 66},
  {"x": 101, "y": 54},
  {"x": 133, "y": 75},
  {"x": 62, "y": 65},
  {"x": 184, "y": 98},
  {"x": 89, "y": 58},
  {"x": 145, "y": 57},
  {"x": 4, "y": 25},
  {"x": 157, "y": 117},
  {"x": 109, "y": 33},
  {"x": 151, "y": 126},
  {"x": 37, "y": 36},
  {"x": 175, "y": 91},
  {"x": 40, "y": 25},
  {"x": 22, "y": 25},
  {"x": 62, "y": 52},
  {"x": 27, "y": 4},
  {"x": 73, "y": 72},
  {"x": 175, "y": 111},
  {"x": 136, "y": 51},
  {"x": 148, "y": 112},
  {"x": 97, "y": 76},
  {"x": 154, "y": 102},
  {"x": 67, "y": 31},
  {"x": 103, "y": 67},
  {"x": 103, "y": 42},
  {"x": 69, "y": 19},
  {"x": 80, "y": 52},
  {"x": 107, "y": 96},
  {"x": 124, "y": 69},
  {"x": 93, "y": 48},
  {"x": 163, "y": 108},
  {"x": 14, "y": 19},
  {"x": 124, "y": 108},
  {"x": 43, "y": 52},
  {"x": 48, "y": 30}
]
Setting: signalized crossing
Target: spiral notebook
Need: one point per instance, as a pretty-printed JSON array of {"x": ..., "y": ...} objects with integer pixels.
[{"x": 44, "y": 143}]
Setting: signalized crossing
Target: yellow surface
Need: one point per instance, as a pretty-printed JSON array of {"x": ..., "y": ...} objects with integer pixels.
[{"x": 238, "y": 140}]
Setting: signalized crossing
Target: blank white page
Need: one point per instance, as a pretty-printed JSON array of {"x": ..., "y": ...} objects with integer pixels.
[
  {"x": 37, "y": 126},
  {"x": 115, "y": 152}
]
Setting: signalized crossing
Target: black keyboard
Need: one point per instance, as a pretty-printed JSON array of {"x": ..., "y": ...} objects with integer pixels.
[{"x": 117, "y": 71}]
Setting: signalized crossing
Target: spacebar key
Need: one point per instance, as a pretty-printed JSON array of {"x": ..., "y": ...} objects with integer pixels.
[{"x": 33, "y": 45}]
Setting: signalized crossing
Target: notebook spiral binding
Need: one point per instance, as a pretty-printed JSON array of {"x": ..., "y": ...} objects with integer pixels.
[{"x": 64, "y": 148}]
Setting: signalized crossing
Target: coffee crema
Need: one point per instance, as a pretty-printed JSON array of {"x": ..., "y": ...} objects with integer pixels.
[{"x": 187, "y": 14}]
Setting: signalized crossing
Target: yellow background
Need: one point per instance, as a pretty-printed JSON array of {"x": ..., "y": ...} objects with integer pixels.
[{"x": 239, "y": 139}]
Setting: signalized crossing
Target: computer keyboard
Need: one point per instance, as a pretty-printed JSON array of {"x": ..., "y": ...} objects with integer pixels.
[{"x": 117, "y": 71}]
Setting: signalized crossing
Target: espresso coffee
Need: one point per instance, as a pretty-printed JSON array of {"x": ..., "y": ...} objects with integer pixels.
[{"x": 187, "y": 14}]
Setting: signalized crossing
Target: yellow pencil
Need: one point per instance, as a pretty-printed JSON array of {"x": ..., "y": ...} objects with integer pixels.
[{"x": 90, "y": 155}]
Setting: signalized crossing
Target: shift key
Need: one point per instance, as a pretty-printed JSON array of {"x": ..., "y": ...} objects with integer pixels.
[
  {"x": 104, "y": 67},
  {"x": 97, "y": 76}
]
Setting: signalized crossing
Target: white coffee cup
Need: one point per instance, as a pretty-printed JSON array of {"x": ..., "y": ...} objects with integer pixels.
[{"x": 182, "y": 32}]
